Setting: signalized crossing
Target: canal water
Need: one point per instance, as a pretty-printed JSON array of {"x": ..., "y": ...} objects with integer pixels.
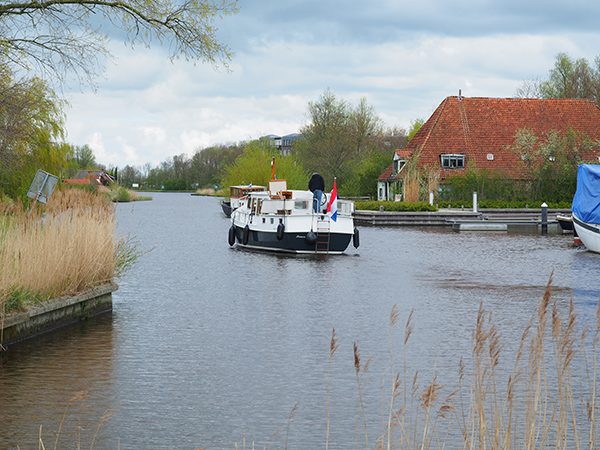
[{"x": 209, "y": 346}]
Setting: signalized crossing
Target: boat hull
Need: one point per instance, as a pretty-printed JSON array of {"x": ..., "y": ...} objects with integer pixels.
[
  {"x": 294, "y": 242},
  {"x": 589, "y": 234},
  {"x": 565, "y": 222},
  {"x": 226, "y": 207}
]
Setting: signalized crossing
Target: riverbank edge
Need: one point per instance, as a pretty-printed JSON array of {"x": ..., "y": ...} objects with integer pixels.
[
  {"x": 56, "y": 313},
  {"x": 520, "y": 218}
]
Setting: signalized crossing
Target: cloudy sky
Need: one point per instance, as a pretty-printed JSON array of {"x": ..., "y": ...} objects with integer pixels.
[{"x": 405, "y": 57}]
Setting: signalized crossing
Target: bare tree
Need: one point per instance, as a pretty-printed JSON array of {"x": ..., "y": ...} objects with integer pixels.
[{"x": 66, "y": 36}]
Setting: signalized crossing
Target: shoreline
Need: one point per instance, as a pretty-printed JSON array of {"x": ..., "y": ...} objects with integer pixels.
[{"x": 55, "y": 313}]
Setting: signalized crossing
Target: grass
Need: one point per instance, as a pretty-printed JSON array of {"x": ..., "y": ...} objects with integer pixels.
[
  {"x": 121, "y": 194},
  {"x": 64, "y": 248}
]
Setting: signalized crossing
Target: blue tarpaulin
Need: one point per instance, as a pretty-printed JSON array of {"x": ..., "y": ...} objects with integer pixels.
[{"x": 586, "y": 203}]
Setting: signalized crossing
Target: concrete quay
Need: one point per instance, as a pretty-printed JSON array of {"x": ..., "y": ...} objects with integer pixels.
[
  {"x": 508, "y": 220},
  {"x": 55, "y": 313}
]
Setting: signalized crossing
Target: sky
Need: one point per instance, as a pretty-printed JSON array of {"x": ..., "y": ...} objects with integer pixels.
[{"x": 403, "y": 57}]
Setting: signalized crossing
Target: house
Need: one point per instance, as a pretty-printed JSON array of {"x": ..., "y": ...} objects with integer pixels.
[
  {"x": 478, "y": 131},
  {"x": 389, "y": 184},
  {"x": 90, "y": 177},
  {"x": 283, "y": 143}
]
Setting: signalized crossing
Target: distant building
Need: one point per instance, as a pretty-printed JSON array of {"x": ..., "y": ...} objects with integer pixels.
[
  {"x": 91, "y": 177},
  {"x": 285, "y": 143},
  {"x": 479, "y": 131}
]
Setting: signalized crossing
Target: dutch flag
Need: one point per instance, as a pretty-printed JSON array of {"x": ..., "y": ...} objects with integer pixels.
[{"x": 332, "y": 204}]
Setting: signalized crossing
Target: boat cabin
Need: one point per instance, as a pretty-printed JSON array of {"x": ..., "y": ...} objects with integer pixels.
[{"x": 243, "y": 190}]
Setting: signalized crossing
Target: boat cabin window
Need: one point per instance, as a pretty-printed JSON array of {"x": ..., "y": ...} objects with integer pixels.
[
  {"x": 301, "y": 204},
  {"x": 255, "y": 205}
]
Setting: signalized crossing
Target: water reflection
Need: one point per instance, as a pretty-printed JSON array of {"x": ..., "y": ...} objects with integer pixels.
[
  {"x": 208, "y": 343},
  {"x": 67, "y": 376}
]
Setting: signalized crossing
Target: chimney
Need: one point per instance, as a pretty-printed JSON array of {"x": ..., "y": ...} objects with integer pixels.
[{"x": 460, "y": 97}]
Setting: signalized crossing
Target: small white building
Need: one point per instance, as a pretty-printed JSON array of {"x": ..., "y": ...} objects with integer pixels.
[{"x": 389, "y": 183}]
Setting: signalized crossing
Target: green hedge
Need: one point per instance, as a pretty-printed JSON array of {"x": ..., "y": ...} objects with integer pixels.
[
  {"x": 372, "y": 205},
  {"x": 504, "y": 204},
  {"x": 423, "y": 206}
]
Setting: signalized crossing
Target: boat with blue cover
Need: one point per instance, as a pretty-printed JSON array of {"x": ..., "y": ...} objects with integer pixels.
[{"x": 586, "y": 206}]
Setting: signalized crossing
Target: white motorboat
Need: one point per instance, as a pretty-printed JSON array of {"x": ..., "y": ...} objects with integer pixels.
[{"x": 586, "y": 206}]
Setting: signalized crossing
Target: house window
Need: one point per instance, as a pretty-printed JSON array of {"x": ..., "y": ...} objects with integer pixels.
[
  {"x": 453, "y": 161},
  {"x": 398, "y": 164}
]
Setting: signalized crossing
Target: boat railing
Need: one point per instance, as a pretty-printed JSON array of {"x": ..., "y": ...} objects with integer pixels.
[{"x": 345, "y": 207}]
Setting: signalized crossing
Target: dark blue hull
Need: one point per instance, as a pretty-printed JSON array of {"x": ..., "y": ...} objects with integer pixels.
[
  {"x": 226, "y": 207},
  {"x": 294, "y": 242}
]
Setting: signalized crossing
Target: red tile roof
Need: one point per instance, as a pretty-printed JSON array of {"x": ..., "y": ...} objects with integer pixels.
[
  {"x": 387, "y": 173},
  {"x": 77, "y": 181},
  {"x": 478, "y": 126},
  {"x": 404, "y": 153}
]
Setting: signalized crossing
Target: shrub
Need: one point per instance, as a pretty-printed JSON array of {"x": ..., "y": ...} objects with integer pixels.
[{"x": 394, "y": 206}]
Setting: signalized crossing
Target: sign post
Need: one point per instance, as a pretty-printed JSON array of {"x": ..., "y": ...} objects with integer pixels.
[{"x": 42, "y": 186}]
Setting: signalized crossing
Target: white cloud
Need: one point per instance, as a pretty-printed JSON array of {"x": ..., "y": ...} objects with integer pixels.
[{"x": 148, "y": 109}]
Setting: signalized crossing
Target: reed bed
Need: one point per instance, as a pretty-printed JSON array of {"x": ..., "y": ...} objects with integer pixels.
[
  {"x": 543, "y": 401},
  {"x": 63, "y": 248}
]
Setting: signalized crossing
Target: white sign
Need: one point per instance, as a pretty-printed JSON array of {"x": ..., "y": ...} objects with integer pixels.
[{"x": 42, "y": 186}]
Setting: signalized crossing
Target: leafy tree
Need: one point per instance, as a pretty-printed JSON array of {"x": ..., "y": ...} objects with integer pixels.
[
  {"x": 363, "y": 180},
  {"x": 129, "y": 175},
  {"x": 390, "y": 139},
  {"x": 550, "y": 162},
  {"x": 338, "y": 136},
  {"x": 208, "y": 164},
  {"x": 83, "y": 157},
  {"x": 569, "y": 78},
  {"x": 64, "y": 36},
  {"x": 31, "y": 125},
  {"x": 254, "y": 166},
  {"x": 415, "y": 126}
]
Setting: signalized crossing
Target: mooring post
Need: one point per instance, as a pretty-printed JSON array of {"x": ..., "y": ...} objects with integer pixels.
[
  {"x": 431, "y": 198},
  {"x": 475, "y": 201},
  {"x": 544, "y": 219}
]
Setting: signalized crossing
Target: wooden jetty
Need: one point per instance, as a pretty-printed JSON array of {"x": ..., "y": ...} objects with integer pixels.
[{"x": 508, "y": 220}]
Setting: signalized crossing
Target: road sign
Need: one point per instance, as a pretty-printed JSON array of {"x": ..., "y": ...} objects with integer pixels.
[{"x": 42, "y": 186}]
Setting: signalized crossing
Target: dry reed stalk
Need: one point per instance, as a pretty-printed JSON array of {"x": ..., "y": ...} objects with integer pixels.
[
  {"x": 290, "y": 418},
  {"x": 428, "y": 399},
  {"x": 537, "y": 374},
  {"x": 69, "y": 249},
  {"x": 411, "y": 186},
  {"x": 357, "y": 368},
  {"x": 393, "y": 321},
  {"x": 333, "y": 346},
  {"x": 592, "y": 401}
]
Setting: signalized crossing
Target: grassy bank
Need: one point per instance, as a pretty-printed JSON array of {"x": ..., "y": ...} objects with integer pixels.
[
  {"x": 61, "y": 249},
  {"x": 121, "y": 194}
]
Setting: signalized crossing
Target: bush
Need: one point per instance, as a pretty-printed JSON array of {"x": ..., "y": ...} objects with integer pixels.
[
  {"x": 504, "y": 204},
  {"x": 394, "y": 206}
]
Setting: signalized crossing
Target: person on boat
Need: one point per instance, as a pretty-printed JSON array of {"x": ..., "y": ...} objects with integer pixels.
[{"x": 316, "y": 185}]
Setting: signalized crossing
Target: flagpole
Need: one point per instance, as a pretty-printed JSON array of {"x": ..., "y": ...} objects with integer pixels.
[{"x": 273, "y": 168}]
